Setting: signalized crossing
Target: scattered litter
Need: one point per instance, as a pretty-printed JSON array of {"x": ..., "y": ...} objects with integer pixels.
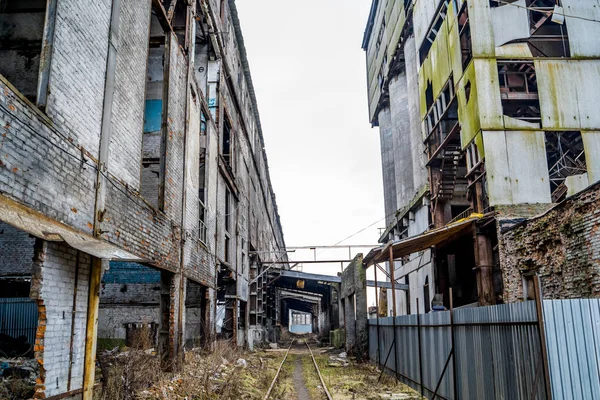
[{"x": 241, "y": 363}]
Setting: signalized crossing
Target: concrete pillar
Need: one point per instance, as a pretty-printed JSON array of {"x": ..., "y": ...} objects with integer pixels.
[
  {"x": 386, "y": 134},
  {"x": 402, "y": 153},
  {"x": 169, "y": 348},
  {"x": 484, "y": 264}
]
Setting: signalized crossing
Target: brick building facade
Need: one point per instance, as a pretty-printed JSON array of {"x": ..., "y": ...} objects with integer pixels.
[
  {"x": 129, "y": 133},
  {"x": 562, "y": 246}
]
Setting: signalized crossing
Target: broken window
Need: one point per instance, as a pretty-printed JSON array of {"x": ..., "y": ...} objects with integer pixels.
[
  {"x": 22, "y": 25},
  {"x": 151, "y": 179},
  {"x": 518, "y": 90},
  {"x": 228, "y": 230},
  {"x": 566, "y": 157},
  {"x": 435, "y": 27},
  {"x": 202, "y": 179},
  {"x": 426, "y": 300},
  {"x": 548, "y": 30},
  {"x": 227, "y": 143},
  {"x": 177, "y": 14},
  {"x": 464, "y": 34}
]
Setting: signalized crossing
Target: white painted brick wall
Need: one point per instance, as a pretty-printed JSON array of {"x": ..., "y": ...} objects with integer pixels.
[
  {"x": 79, "y": 68},
  {"x": 130, "y": 83},
  {"x": 58, "y": 286}
]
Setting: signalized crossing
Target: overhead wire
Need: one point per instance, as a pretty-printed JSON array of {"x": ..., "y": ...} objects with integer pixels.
[{"x": 538, "y": 10}]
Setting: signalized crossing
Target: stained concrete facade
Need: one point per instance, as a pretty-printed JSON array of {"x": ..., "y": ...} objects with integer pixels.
[
  {"x": 130, "y": 136},
  {"x": 353, "y": 307},
  {"x": 483, "y": 108}
]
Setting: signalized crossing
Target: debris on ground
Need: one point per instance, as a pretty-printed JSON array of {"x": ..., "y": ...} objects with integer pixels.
[{"x": 17, "y": 377}]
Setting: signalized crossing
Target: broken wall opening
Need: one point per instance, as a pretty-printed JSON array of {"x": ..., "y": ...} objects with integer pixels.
[
  {"x": 197, "y": 315},
  {"x": 455, "y": 268},
  {"x": 464, "y": 34},
  {"x": 226, "y": 302},
  {"x": 519, "y": 91},
  {"x": 548, "y": 31},
  {"x": 129, "y": 305},
  {"x": 22, "y": 24},
  {"x": 18, "y": 312},
  {"x": 566, "y": 158},
  {"x": 152, "y": 174}
]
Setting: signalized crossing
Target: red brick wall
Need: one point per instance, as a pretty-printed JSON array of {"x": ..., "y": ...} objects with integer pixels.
[{"x": 562, "y": 246}]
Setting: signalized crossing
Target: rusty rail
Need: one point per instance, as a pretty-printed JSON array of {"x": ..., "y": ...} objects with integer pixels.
[
  {"x": 278, "y": 371},
  {"x": 318, "y": 372}
]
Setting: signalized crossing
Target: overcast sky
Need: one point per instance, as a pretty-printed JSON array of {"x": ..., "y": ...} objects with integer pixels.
[{"x": 308, "y": 70}]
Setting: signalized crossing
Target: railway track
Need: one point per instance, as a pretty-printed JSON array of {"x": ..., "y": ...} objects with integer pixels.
[{"x": 283, "y": 362}]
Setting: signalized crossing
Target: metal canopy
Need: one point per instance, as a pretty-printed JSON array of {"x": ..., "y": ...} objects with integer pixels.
[
  {"x": 310, "y": 277},
  {"x": 423, "y": 241}
]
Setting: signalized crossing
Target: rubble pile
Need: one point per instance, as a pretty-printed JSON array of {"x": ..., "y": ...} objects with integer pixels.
[{"x": 17, "y": 378}]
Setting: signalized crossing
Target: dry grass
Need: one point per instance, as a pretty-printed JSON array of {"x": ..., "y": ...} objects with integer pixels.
[{"x": 125, "y": 373}]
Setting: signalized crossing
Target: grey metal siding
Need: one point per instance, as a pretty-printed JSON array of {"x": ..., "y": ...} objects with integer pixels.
[{"x": 19, "y": 317}]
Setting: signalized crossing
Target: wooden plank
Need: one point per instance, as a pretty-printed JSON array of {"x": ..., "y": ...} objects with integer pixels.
[{"x": 92, "y": 329}]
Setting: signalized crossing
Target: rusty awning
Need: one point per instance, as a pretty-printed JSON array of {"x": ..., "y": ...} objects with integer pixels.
[{"x": 423, "y": 241}]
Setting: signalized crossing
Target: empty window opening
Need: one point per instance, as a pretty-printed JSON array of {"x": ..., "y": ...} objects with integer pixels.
[
  {"x": 432, "y": 33},
  {"x": 518, "y": 90},
  {"x": 202, "y": 180},
  {"x": 464, "y": 34},
  {"x": 203, "y": 53},
  {"x": 177, "y": 13},
  {"x": 152, "y": 142},
  {"x": 548, "y": 38},
  {"x": 426, "y": 301},
  {"x": 22, "y": 26},
  {"x": 18, "y": 312},
  {"x": 196, "y": 315},
  {"x": 226, "y": 143},
  {"x": 566, "y": 157}
]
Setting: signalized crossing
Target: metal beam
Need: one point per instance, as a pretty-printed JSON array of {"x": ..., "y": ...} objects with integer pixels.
[
  {"x": 161, "y": 14},
  {"x": 388, "y": 285},
  {"x": 310, "y": 277},
  {"x": 308, "y": 262}
]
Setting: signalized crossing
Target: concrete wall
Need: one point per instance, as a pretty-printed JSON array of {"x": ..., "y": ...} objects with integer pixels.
[
  {"x": 353, "y": 294},
  {"x": 562, "y": 246},
  {"x": 386, "y": 134}
]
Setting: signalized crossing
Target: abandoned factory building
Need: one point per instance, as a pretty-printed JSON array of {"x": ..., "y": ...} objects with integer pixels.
[
  {"x": 487, "y": 115},
  {"x": 134, "y": 184}
]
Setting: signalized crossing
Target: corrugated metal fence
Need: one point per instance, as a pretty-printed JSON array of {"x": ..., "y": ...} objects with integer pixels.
[
  {"x": 498, "y": 351},
  {"x": 19, "y": 317},
  {"x": 573, "y": 338}
]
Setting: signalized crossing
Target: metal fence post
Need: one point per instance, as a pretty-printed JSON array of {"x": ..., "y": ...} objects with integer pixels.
[
  {"x": 377, "y": 311},
  {"x": 453, "y": 350},
  {"x": 542, "y": 333},
  {"x": 419, "y": 341}
]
